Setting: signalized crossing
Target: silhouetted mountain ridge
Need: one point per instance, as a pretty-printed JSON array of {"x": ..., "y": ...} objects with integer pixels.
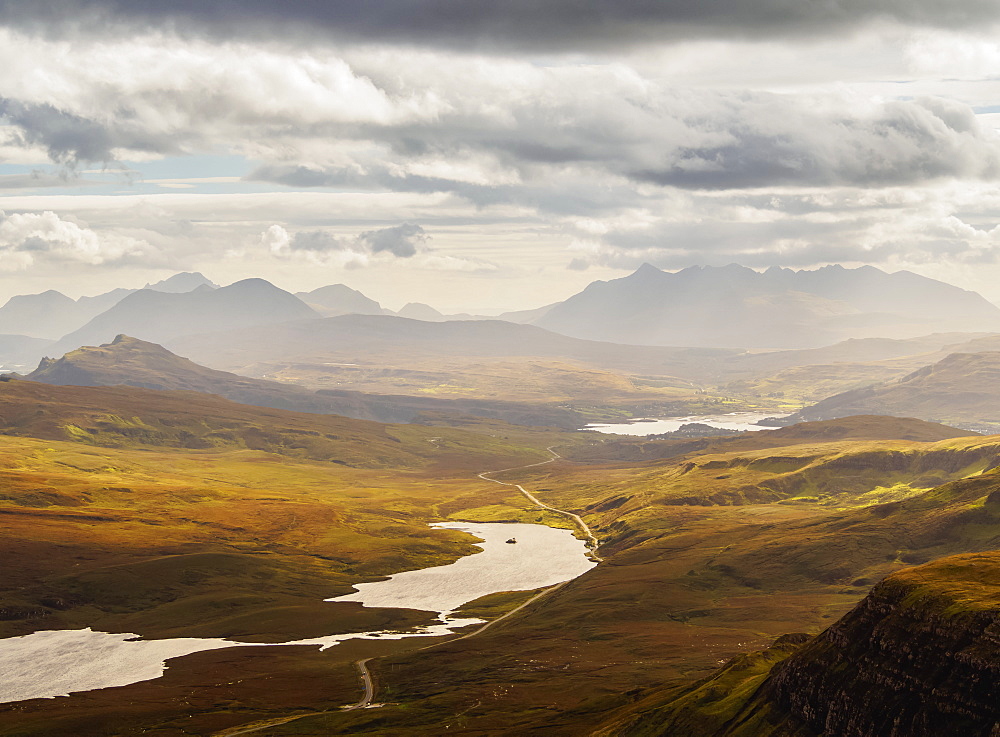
[
  {"x": 159, "y": 316},
  {"x": 735, "y": 306},
  {"x": 339, "y": 299},
  {"x": 51, "y": 314}
]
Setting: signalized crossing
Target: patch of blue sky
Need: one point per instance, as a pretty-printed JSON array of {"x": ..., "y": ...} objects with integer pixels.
[
  {"x": 198, "y": 174},
  {"x": 192, "y": 167},
  {"x": 190, "y": 174}
]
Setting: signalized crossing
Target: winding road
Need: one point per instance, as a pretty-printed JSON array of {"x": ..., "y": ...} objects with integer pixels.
[
  {"x": 592, "y": 541},
  {"x": 361, "y": 666},
  {"x": 367, "y": 681},
  {"x": 366, "y": 675}
]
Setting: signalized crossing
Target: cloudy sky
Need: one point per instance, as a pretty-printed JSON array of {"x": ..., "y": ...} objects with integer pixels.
[{"x": 493, "y": 154}]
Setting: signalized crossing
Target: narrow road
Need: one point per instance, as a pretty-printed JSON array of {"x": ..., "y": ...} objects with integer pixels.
[
  {"x": 362, "y": 665},
  {"x": 369, "y": 683},
  {"x": 366, "y": 675},
  {"x": 592, "y": 541},
  {"x": 262, "y": 725}
]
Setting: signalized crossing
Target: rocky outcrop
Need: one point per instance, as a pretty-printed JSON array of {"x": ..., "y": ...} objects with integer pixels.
[{"x": 918, "y": 657}]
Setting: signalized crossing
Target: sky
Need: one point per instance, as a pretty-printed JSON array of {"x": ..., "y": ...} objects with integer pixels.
[{"x": 481, "y": 156}]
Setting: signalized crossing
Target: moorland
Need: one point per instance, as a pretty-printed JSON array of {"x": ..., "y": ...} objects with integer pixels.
[{"x": 782, "y": 583}]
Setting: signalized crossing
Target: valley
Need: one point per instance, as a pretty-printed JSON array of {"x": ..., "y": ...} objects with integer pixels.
[
  {"x": 499, "y": 369},
  {"x": 234, "y": 494},
  {"x": 245, "y": 537}
]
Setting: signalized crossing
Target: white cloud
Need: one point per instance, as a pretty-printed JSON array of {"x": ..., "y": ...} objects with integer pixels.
[
  {"x": 849, "y": 148},
  {"x": 28, "y": 237},
  {"x": 276, "y": 240},
  {"x": 480, "y": 126},
  {"x": 952, "y": 223}
]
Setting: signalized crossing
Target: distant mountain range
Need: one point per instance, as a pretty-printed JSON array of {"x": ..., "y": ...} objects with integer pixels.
[
  {"x": 372, "y": 338},
  {"x": 159, "y": 316},
  {"x": 734, "y": 306},
  {"x": 716, "y": 307},
  {"x": 51, "y": 315}
]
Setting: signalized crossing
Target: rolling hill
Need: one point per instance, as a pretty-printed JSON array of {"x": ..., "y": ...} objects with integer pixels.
[
  {"x": 961, "y": 388},
  {"x": 128, "y": 417},
  {"x": 127, "y": 361},
  {"x": 380, "y": 337},
  {"x": 240, "y": 514},
  {"x": 686, "y": 588}
]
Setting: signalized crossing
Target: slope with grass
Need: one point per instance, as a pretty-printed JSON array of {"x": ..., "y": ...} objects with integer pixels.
[
  {"x": 917, "y": 656},
  {"x": 820, "y": 465},
  {"x": 960, "y": 388},
  {"x": 181, "y": 514},
  {"x": 127, "y": 361},
  {"x": 243, "y": 535},
  {"x": 694, "y": 586}
]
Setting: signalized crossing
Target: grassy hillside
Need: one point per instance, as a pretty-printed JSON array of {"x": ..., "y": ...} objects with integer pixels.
[
  {"x": 961, "y": 388},
  {"x": 243, "y": 536},
  {"x": 800, "y": 465},
  {"x": 181, "y": 514},
  {"x": 915, "y": 657},
  {"x": 127, "y": 417},
  {"x": 128, "y": 484},
  {"x": 683, "y": 589}
]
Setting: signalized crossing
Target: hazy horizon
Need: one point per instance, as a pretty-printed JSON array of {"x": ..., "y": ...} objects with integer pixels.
[
  {"x": 500, "y": 158},
  {"x": 397, "y": 305}
]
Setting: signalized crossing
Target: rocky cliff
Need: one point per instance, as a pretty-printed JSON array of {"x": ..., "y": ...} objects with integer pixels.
[{"x": 918, "y": 657}]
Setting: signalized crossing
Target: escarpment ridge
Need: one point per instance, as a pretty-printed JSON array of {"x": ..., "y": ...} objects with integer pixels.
[{"x": 918, "y": 657}]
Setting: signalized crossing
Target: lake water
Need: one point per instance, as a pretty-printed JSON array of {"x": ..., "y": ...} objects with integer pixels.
[
  {"x": 53, "y": 663},
  {"x": 542, "y": 556},
  {"x": 731, "y": 421}
]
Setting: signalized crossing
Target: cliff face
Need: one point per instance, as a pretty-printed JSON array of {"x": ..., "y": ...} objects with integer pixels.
[{"x": 918, "y": 657}]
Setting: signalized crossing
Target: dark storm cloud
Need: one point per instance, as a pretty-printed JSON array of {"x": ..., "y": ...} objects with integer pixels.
[
  {"x": 70, "y": 139},
  {"x": 562, "y": 139},
  {"x": 540, "y": 25},
  {"x": 766, "y": 141},
  {"x": 66, "y": 137}
]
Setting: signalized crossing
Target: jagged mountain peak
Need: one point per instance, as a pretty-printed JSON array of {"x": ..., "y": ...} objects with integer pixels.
[{"x": 736, "y": 306}]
